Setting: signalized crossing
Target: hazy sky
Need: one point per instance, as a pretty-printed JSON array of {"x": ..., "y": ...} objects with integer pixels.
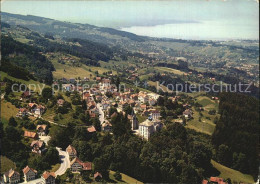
[{"x": 219, "y": 16}]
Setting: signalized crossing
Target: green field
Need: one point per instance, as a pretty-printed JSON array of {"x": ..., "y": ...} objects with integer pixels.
[
  {"x": 207, "y": 103},
  {"x": 170, "y": 70},
  {"x": 68, "y": 71},
  {"x": 204, "y": 126},
  {"x": 234, "y": 175},
  {"x": 7, "y": 110}
]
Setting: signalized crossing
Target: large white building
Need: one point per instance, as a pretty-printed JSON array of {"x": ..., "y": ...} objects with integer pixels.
[{"x": 148, "y": 127}]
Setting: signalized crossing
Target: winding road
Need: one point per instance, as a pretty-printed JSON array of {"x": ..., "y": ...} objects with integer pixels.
[
  {"x": 101, "y": 113},
  {"x": 65, "y": 162}
]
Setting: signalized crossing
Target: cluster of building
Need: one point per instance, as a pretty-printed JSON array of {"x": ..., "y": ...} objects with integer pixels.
[
  {"x": 33, "y": 109},
  {"x": 30, "y": 177},
  {"x": 76, "y": 165},
  {"x": 37, "y": 145},
  {"x": 214, "y": 180}
]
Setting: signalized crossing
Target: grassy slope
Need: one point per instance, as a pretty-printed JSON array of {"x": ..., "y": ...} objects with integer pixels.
[
  {"x": 6, "y": 164},
  {"x": 165, "y": 69},
  {"x": 205, "y": 126},
  {"x": 31, "y": 82},
  {"x": 234, "y": 175},
  {"x": 207, "y": 103},
  {"x": 73, "y": 72},
  {"x": 7, "y": 110},
  {"x": 125, "y": 178}
]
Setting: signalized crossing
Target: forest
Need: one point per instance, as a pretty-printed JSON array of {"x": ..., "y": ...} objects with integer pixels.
[
  {"x": 22, "y": 57},
  {"x": 237, "y": 132}
]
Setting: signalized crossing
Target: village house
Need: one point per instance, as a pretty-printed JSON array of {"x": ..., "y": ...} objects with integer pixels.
[
  {"x": 60, "y": 102},
  {"x": 131, "y": 102},
  {"x": 77, "y": 165},
  {"x": 41, "y": 130},
  {"x": 98, "y": 79},
  {"x": 91, "y": 105},
  {"x": 86, "y": 79},
  {"x": 216, "y": 180},
  {"x": 35, "y": 109},
  {"x": 107, "y": 127},
  {"x": 94, "y": 110},
  {"x": 105, "y": 105},
  {"x": 122, "y": 105},
  {"x": 155, "y": 114},
  {"x": 143, "y": 98},
  {"x": 38, "y": 146},
  {"x": 143, "y": 107},
  {"x": 104, "y": 83},
  {"x": 22, "y": 112},
  {"x": 39, "y": 110},
  {"x": 152, "y": 102},
  {"x": 32, "y": 135},
  {"x": 72, "y": 80},
  {"x": 91, "y": 113},
  {"x": 148, "y": 127},
  {"x": 97, "y": 176},
  {"x": 26, "y": 95},
  {"x": 204, "y": 182},
  {"x": 71, "y": 151},
  {"x": 188, "y": 113},
  {"x": 86, "y": 95},
  {"x": 91, "y": 129},
  {"x": 98, "y": 98},
  {"x": 67, "y": 87},
  {"x": 134, "y": 97},
  {"x": 29, "y": 174},
  {"x": 11, "y": 176},
  {"x": 49, "y": 177},
  {"x": 64, "y": 80}
]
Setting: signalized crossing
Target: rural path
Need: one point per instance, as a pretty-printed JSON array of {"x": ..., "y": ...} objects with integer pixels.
[
  {"x": 51, "y": 122},
  {"x": 65, "y": 162}
]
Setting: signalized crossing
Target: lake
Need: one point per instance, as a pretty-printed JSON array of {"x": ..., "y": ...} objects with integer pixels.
[{"x": 186, "y": 19}]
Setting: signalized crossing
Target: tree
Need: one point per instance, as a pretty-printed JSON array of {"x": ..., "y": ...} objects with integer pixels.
[
  {"x": 112, "y": 110},
  {"x": 12, "y": 122},
  {"x": 212, "y": 112},
  {"x": 160, "y": 101},
  {"x": 61, "y": 137},
  {"x": 97, "y": 124},
  {"x": 51, "y": 156},
  {"x": 118, "y": 83},
  {"x": 12, "y": 134},
  {"x": 47, "y": 93},
  {"x": 223, "y": 154}
]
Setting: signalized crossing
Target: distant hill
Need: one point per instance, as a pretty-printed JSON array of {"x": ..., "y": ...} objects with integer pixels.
[{"x": 70, "y": 30}]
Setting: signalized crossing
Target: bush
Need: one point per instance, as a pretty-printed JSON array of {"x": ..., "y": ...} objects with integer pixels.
[{"x": 118, "y": 176}]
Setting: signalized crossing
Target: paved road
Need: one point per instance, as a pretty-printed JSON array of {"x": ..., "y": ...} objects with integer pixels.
[
  {"x": 101, "y": 113},
  {"x": 45, "y": 139},
  {"x": 65, "y": 162}
]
